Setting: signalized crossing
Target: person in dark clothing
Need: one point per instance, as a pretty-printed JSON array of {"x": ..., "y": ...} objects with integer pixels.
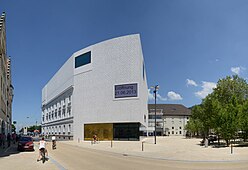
[
  {"x": 14, "y": 138},
  {"x": 1, "y": 139},
  {"x": 8, "y": 139}
]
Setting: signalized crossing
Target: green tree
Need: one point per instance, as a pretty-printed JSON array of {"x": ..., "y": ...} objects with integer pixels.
[
  {"x": 229, "y": 96},
  {"x": 34, "y": 127},
  {"x": 202, "y": 118},
  {"x": 13, "y": 128},
  {"x": 225, "y": 110},
  {"x": 243, "y": 120},
  {"x": 194, "y": 126}
]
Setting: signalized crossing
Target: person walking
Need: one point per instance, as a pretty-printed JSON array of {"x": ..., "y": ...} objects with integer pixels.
[
  {"x": 1, "y": 139},
  {"x": 8, "y": 139},
  {"x": 14, "y": 138}
]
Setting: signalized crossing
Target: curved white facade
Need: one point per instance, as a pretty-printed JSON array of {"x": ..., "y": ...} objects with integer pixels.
[{"x": 90, "y": 91}]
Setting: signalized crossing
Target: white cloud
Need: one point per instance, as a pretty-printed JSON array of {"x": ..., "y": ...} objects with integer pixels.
[
  {"x": 237, "y": 70},
  {"x": 151, "y": 96},
  {"x": 207, "y": 88},
  {"x": 174, "y": 96},
  {"x": 191, "y": 82},
  {"x": 161, "y": 98},
  {"x": 171, "y": 96}
]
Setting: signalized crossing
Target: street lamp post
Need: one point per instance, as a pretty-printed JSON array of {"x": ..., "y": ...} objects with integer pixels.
[{"x": 155, "y": 126}]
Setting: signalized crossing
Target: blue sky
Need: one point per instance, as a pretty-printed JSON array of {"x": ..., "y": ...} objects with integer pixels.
[{"x": 188, "y": 45}]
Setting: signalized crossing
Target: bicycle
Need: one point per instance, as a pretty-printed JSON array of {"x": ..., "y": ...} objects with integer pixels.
[
  {"x": 95, "y": 141},
  {"x": 53, "y": 144},
  {"x": 43, "y": 157}
]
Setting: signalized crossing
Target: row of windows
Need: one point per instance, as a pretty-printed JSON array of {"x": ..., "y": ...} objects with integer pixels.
[
  {"x": 56, "y": 111},
  {"x": 4, "y": 87},
  {"x": 61, "y": 129},
  {"x": 172, "y": 132},
  {"x": 151, "y": 123},
  {"x": 160, "y": 113},
  {"x": 65, "y": 101},
  {"x": 161, "y": 116},
  {"x": 58, "y": 114},
  {"x": 174, "y": 121},
  {"x": 180, "y": 118},
  {"x": 153, "y": 116}
]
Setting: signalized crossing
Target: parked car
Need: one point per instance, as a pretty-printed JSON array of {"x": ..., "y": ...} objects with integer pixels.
[{"x": 25, "y": 143}]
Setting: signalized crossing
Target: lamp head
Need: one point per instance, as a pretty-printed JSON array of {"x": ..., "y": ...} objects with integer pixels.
[{"x": 157, "y": 87}]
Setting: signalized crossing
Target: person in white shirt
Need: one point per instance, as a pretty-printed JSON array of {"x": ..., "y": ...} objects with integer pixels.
[
  {"x": 53, "y": 142},
  {"x": 53, "y": 138},
  {"x": 42, "y": 145}
]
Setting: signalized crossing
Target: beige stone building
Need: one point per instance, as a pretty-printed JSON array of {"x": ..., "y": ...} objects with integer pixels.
[
  {"x": 171, "y": 119},
  {"x": 6, "y": 88}
]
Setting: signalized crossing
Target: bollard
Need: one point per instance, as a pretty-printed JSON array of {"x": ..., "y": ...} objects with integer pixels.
[
  {"x": 111, "y": 143},
  {"x": 231, "y": 148},
  {"x": 142, "y": 146}
]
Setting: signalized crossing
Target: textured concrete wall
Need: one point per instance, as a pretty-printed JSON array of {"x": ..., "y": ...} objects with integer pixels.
[
  {"x": 61, "y": 81},
  {"x": 115, "y": 61}
]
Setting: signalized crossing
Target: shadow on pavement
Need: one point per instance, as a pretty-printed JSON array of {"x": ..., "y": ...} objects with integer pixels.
[
  {"x": 4, "y": 152},
  {"x": 223, "y": 144},
  {"x": 242, "y": 145}
]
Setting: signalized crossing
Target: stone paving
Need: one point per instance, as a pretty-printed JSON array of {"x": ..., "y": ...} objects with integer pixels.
[{"x": 170, "y": 148}]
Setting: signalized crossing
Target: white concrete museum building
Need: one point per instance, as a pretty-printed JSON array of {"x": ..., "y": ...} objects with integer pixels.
[{"x": 100, "y": 90}]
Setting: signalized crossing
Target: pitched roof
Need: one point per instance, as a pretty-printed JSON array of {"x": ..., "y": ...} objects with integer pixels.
[{"x": 171, "y": 109}]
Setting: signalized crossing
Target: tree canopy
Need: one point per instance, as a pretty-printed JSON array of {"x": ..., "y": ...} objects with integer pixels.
[{"x": 224, "y": 111}]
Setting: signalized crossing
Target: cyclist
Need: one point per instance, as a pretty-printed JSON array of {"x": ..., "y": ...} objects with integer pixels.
[
  {"x": 42, "y": 147},
  {"x": 94, "y": 138}
]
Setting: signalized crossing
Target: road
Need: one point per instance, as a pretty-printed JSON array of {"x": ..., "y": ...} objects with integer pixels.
[{"x": 77, "y": 158}]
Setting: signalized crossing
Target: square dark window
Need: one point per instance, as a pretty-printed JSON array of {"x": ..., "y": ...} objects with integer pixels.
[{"x": 83, "y": 59}]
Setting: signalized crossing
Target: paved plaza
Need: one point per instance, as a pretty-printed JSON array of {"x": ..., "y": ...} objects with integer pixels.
[{"x": 170, "y": 148}]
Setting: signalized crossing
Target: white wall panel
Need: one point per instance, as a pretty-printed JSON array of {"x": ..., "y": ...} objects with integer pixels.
[{"x": 113, "y": 62}]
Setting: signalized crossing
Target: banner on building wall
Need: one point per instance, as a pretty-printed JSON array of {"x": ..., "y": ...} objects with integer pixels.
[{"x": 126, "y": 90}]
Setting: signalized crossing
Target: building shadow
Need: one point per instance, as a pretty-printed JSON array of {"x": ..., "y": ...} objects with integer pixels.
[
  {"x": 241, "y": 145},
  {"x": 4, "y": 152}
]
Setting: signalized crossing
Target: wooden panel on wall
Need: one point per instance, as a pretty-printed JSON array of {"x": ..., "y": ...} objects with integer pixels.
[{"x": 104, "y": 131}]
